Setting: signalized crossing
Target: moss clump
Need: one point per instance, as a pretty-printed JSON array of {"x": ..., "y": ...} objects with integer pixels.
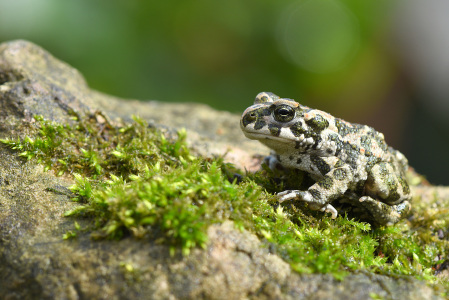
[
  {"x": 417, "y": 246},
  {"x": 134, "y": 180},
  {"x": 91, "y": 146},
  {"x": 174, "y": 204}
]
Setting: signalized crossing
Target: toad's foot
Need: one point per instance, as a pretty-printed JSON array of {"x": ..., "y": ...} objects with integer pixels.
[
  {"x": 330, "y": 209},
  {"x": 383, "y": 213},
  {"x": 294, "y": 194},
  {"x": 307, "y": 197}
]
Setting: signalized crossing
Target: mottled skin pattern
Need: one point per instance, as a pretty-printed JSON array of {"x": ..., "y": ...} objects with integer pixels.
[{"x": 346, "y": 160}]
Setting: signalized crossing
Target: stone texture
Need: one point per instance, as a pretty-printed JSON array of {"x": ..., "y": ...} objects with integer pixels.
[
  {"x": 35, "y": 263},
  {"x": 33, "y": 82}
]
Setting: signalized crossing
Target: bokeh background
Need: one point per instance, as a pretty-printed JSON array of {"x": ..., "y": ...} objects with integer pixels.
[{"x": 384, "y": 63}]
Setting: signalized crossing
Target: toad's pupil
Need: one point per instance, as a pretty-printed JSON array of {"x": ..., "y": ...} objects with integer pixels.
[{"x": 284, "y": 112}]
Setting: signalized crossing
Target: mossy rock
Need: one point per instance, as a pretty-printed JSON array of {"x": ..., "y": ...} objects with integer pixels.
[{"x": 242, "y": 254}]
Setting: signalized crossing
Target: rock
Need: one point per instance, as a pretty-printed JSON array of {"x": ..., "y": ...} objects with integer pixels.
[
  {"x": 34, "y": 82},
  {"x": 35, "y": 262}
]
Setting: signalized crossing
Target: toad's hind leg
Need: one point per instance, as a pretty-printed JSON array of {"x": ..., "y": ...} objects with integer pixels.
[
  {"x": 388, "y": 184},
  {"x": 385, "y": 214}
]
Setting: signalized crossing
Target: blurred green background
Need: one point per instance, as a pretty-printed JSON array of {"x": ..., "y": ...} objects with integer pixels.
[{"x": 347, "y": 57}]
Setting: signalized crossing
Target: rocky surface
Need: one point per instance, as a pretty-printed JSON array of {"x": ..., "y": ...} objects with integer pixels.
[{"x": 35, "y": 262}]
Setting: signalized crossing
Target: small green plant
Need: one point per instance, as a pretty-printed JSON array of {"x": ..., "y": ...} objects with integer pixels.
[{"x": 72, "y": 234}]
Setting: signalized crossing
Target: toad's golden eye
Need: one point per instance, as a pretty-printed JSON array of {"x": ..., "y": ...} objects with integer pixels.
[{"x": 284, "y": 113}]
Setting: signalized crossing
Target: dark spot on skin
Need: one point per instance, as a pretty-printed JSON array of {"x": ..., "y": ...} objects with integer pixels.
[
  {"x": 321, "y": 165},
  {"x": 290, "y": 157},
  {"x": 340, "y": 174},
  {"x": 299, "y": 161},
  {"x": 371, "y": 161},
  {"x": 339, "y": 164},
  {"x": 318, "y": 123},
  {"x": 254, "y": 116},
  {"x": 393, "y": 196},
  {"x": 274, "y": 129},
  {"x": 344, "y": 129},
  {"x": 329, "y": 151},
  {"x": 404, "y": 184},
  {"x": 352, "y": 159},
  {"x": 248, "y": 119},
  {"x": 337, "y": 152},
  {"x": 326, "y": 182},
  {"x": 392, "y": 182},
  {"x": 393, "y": 189},
  {"x": 315, "y": 193},
  {"x": 297, "y": 129},
  {"x": 266, "y": 112},
  {"x": 359, "y": 189},
  {"x": 259, "y": 124}
]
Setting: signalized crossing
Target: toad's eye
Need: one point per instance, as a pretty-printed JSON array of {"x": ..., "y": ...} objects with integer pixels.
[{"x": 284, "y": 113}]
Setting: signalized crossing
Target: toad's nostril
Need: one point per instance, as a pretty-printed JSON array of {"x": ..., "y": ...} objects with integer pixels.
[{"x": 252, "y": 115}]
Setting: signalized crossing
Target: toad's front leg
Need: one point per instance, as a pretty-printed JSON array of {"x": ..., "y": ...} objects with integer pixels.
[{"x": 332, "y": 186}]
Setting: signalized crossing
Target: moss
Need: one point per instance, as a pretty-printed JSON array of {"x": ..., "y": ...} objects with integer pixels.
[
  {"x": 136, "y": 181},
  {"x": 173, "y": 204},
  {"x": 312, "y": 242}
]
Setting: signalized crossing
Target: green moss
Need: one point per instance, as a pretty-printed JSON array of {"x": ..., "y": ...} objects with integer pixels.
[
  {"x": 173, "y": 204},
  {"x": 312, "y": 242},
  {"x": 134, "y": 180}
]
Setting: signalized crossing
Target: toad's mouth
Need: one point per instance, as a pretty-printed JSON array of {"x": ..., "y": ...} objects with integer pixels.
[
  {"x": 264, "y": 137},
  {"x": 285, "y": 141}
]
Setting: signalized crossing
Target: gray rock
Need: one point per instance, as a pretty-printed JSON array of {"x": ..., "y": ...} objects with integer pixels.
[
  {"x": 33, "y": 82},
  {"x": 35, "y": 263}
]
